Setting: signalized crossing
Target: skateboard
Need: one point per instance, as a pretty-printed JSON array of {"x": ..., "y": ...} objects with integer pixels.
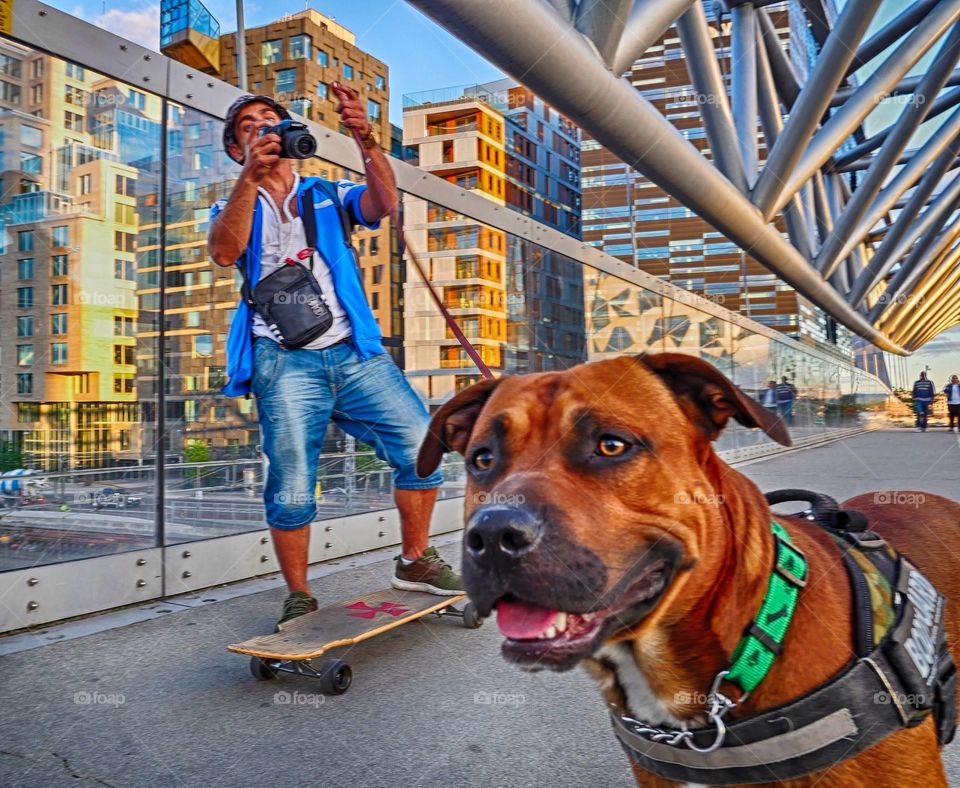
[{"x": 345, "y": 623}]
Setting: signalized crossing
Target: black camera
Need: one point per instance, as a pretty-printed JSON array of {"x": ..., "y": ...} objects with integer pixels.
[{"x": 295, "y": 141}]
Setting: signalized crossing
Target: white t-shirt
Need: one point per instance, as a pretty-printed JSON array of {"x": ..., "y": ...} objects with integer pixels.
[
  {"x": 954, "y": 393},
  {"x": 283, "y": 239}
]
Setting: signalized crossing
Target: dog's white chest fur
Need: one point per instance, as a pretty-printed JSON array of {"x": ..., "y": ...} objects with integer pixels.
[{"x": 642, "y": 703}]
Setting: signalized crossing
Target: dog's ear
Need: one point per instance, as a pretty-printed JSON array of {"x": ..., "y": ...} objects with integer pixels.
[
  {"x": 451, "y": 426},
  {"x": 709, "y": 399}
]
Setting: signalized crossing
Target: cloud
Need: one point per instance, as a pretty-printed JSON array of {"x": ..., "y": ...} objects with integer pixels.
[{"x": 141, "y": 26}]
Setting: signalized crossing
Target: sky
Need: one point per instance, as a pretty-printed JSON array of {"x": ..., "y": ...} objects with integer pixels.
[
  {"x": 419, "y": 54},
  {"x": 423, "y": 56}
]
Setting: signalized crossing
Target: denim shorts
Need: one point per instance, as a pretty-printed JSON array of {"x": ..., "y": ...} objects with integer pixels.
[{"x": 299, "y": 391}]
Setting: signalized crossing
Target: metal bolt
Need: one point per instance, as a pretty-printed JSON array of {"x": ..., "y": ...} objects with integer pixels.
[
  {"x": 32, "y": 581},
  {"x": 146, "y": 79},
  {"x": 381, "y": 519},
  {"x": 328, "y": 528},
  {"x": 264, "y": 559},
  {"x": 327, "y": 545},
  {"x": 186, "y": 553},
  {"x": 123, "y": 47},
  {"x": 146, "y": 57},
  {"x": 141, "y": 583},
  {"x": 32, "y": 606},
  {"x": 141, "y": 562},
  {"x": 264, "y": 539},
  {"x": 381, "y": 534},
  {"x": 189, "y": 76},
  {"x": 187, "y": 574},
  {"x": 189, "y": 95}
]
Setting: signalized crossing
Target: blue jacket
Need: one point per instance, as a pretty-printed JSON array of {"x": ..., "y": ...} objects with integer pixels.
[
  {"x": 924, "y": 391},
  {"x": 339, "y": 256}
]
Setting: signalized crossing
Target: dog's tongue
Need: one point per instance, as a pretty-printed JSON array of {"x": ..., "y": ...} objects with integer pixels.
[{"x": 522, "y": 621}]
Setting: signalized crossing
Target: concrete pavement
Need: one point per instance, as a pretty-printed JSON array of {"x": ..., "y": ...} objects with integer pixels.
[{"x": 161, "y": 702}]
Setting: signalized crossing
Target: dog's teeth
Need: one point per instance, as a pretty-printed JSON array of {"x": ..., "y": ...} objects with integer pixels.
[
  {"x": 560, "y": 622},
  {"x": 549, "y": 634}
]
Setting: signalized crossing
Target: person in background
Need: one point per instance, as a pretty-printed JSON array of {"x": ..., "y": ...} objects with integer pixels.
[
  {"x": 923, "y": 394},
  {"x": 768, "y": 396},
  {"x": 786, "y": 395},
  {"x": 952, "y": 390}
]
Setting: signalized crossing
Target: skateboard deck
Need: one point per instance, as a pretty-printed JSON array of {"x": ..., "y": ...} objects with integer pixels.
[{"x": 344, "y": 623}]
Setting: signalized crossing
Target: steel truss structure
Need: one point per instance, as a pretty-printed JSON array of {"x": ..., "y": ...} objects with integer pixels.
[{"x": 873, "y": 229}]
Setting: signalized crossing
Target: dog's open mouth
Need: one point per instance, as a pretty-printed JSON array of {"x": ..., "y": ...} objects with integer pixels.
[{"x": 542, "y": 637}]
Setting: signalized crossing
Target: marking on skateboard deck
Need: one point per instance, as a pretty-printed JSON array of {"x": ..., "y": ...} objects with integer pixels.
[{"x": 390, "y": 608}]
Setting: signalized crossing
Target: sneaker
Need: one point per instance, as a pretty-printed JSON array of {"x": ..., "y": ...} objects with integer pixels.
[
  {"x": 428, "y": 573},
  {"x": 296, "y": 604}
]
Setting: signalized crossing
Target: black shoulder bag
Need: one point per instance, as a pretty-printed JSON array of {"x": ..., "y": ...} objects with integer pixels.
[{"x": 290, "y": 300}]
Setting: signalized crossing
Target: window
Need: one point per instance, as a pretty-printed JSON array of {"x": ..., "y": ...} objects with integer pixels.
[
  {"x": 24, "y": 355},
  {"x": 286, "y": 80},
  {"x": 122, "y": 326},
  {"x": 10, "y": 66},
  {"x": 138, "y": 100},
  {"x": 36, "y": 69},
  {"x": 75, "y": 96},
  {"x": 301, "y": 106},
  {"x": 374, "y": 245},
  {"x": 30, "y": 162},
  {"x": 347, "y": 71},
  {"x": 36, "y": 94},
  {"x": 28, "y": 412},
  {"x": 271, "y": 51},
  {"x": 124, "y": 269},
  {"x": 192, "y": 320},
  {"x": 58, "y": 265},
  {"x": 58, "y": 295},
  {"x": 73, "y": 121},
  {"x": 380, "y": 82},
  {"x": 123, "y": 354},
  {"x": 61, "y": 235},
  {"x": 322, "y": 89},
  {"x": 25, "y": 268},
  {"x": 124, "y": 186},
  {"x": 25, "y": 241},
  {"x": 323, "y": 58},
  {"x": 377, "y": 274},
  {"x": 84, "y": 184},
  {"x": 301, "y": 47},
  {"x": 9, "y": 92},
  {"x": 31, "y": 136},
  {"x": 58, "y": 353},
  {"x": 202, "y": 346},
  {"x": 124, "y": 214},
  {"x": 375, "y": 300},
  {"x": 25, "y": 326},
  {"x": 58, "y": 323},
  {"x": 124, "y": 242},
  {"x": 373, "y": 110},
  {"x": 24, "y": 383},
  {"x": 24, "y": 298},
  {"x": 123, "y": 384},
  {"x": 75, "y": 71}
]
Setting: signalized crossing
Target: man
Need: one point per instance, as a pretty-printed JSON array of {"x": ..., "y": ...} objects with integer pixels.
[
  {"x": 786, "y": 394},
  {"x": 768, "y": 397},
  {"x": 344, "y": 374},
  {"x": 923, "y": 394},
  {"x": 952, "y": 390}
]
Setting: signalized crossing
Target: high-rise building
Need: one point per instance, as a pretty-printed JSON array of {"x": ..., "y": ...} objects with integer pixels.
[
  {"x": 633, "y": 219},
  {"x": 68, "y": 313},
  {"x": 295, "y": 59},
  {"x": 519, "y": 304}
]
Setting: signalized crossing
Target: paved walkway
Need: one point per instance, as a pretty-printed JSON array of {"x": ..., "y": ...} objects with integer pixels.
[{"x": 161, "y": 702}]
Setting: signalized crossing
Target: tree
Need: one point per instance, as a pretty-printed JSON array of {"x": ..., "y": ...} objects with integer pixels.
[
  {"x": 195, "y": 451},
  {"x": 10, "y": 456}
]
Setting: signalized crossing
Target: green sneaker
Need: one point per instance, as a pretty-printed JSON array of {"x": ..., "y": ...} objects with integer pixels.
[
  {"x": 428, "y": 573},
  {"x": 296, "y": 604}
]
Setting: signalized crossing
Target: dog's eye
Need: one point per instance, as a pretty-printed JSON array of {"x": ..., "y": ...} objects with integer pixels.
[
  {"x": 483, "y": 460},
  {"x": 610, "y": 446}
]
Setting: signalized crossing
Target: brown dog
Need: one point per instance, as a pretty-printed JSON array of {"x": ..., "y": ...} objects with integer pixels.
[{"x": 604, "y": 529}]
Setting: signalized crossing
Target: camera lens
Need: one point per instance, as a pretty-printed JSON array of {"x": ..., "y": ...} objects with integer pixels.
[{"x": 303, "y": 145}]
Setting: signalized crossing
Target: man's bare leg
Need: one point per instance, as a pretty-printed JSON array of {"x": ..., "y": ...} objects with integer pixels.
[
  {"x": 292, "y": 548},
  {"x": 415, "y": 508}
]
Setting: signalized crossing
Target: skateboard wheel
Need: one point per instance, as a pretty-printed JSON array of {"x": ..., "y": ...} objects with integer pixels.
[
  {"x": 335, "y": 677},
  {"x": 471, "y": 618},
  {"x": 262, "y": 670}
]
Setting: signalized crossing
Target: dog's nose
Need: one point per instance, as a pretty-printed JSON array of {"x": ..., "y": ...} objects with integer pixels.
[{"x": 498, "y": 533}]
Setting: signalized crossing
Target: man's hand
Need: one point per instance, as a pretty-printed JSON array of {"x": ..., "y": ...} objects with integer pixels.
[
  {"x": 351, "y": 110},
  {"x": 261, "y": 156}
]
